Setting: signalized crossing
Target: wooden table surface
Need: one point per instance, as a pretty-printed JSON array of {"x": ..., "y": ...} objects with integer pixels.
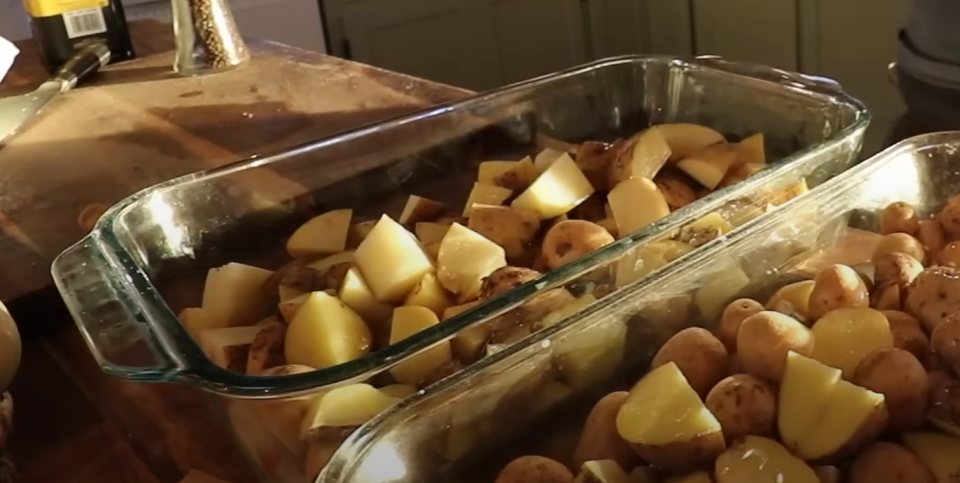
[{"x": 136, "y": 125}]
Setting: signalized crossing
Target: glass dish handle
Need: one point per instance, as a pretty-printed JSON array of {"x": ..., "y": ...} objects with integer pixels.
[
  {"x": 112, "y": 325},
  {"x": 780, "y": 76}
]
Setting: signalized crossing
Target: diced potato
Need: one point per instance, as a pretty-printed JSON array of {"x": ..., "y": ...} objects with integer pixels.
[
  {"x": 485, "y": 194},
  {"x": 358, "y": 232},
  {"x": 636, "y": 203},
  {"x": 762, "y": 459},
  {"x": 718, "y": 289},
  {"x": 709, "y": 165},
  {"x": 518, "y": 177},
  {"x": 558, "y": 190},
  {"x": 420, "y": 209},
  {"x": 326, "y": 263},
  {"x": 428, "y": 232},
  {"x": 357, "y": 295},
  {"x": 196, "y": 320},
  {"x": 685, "y": 138},
  {"x": 407, "y": 321},
  {"x": 640, "y": 262},
  {"x": 941, "y": 453},
  {"x": 464, "y": 259},
  {"x": 845, "y": 336},
  {"x": 430, "y": 294},
  {"x": 751, "y": 151},
  {"x": 325, "y": 332},
  {"x": 572, "y": 308},
  {"x": 287, "y": 292},
  {"x": 321, "y": 235},
  {"x": 642, "y": 157},
  {"x": 344, "y": 407},
  {"x": 232, "y": 295},
  {"x": 229, "y": 347},
  {"x": 804, "y": 392},
  {"x": 545, "y": 158},
  {"x": 391, "y": 261},
  {"x": 288, "y": 308},
  {"x": 401, "y": 391},
  {"x": 489, "y": 170},
  {"x": 469, "y": 343},
  {"x": 705, "y": 229},
  {"x": 509, "y": 227}
]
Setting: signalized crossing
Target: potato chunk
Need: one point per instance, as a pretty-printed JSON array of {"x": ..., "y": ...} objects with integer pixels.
[
  {"x": 325, "y": 332},
  {"x": 845, "y": 336},
  {"x": 464, "y": 259},
  {"x": 232, "y": 295},
  {"x": 407, "y": 321},
  {"x": 321, "y": 235},
  {"x": 557, "y": 190},
  {"x": 391, "y": 261},
  {"x": 758, "y": 459},
  {"x": 636, "y": 203}
]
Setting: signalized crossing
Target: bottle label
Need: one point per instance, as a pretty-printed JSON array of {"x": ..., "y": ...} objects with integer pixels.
[
  {"x": 49, "y": 8},
  {"x": 80, "y": 23}
]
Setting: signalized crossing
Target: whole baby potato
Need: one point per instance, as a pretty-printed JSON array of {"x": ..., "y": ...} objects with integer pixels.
[
  {"x": 902, "y": 380},
  {"x": 945, "y": 342},
  {"x": 600, "y": 440},
  {"x": 886, "y": 296},
  {"x": 732, "y": 317},
  {"x": 744, "y": 405},
  {"x": 949, "y": 218},
  {"x": 836, "y": 287},
  {"x": 935, "y": 294},
  {"x": 900, "y": 242},
  {"x": 675, "y": 188},
  {"x": 699, "y": 355},
  {"x": 930, "y": 235},
  {"x": 949, "y": 256},
  {"x": 571, "y": 239},
  {"x": 896, "y": 268},
  {"x": 534, "y": 469},
  {"x": 764, "y": 340},
  {"x": 504, "y": 279},
  {"x": 909, "y": 336},
  {"x": 899, "y": 217},
  {"x": 884, "y": 462},
  {"x": 944, "y": 409}
]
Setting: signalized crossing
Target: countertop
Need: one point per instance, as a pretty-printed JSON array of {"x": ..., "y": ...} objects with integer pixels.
[{"x": 136, "y": 125}]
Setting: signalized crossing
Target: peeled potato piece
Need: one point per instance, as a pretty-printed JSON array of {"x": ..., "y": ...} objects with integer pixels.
[
  {"x": 233, "y": 295},
  {"x": 406, "y": 322},
  {"x": 465, "y": 258},
  {"x": 391, "y": 261},
  {"x": 430, "y": 294},
  {"x": 321, "y": 235},
  {"x": 941, "y": 453},
  {"x": 709, "y": 165},
  {"x": 636, "y": 203},
  {"x": 518, "y": 177},
  {"x": 345, "y": 407},
  {"x": 641, "y": 156},
  {"x": 420, "y": 209},
  {"x": 229, "y": 347},
  {"x": 686, "y": 138},
  {"x": 506, "y": 226},
  {"x": 484, "y": 194},
  {"x": 845, "y": 336},
  {"x": 762, "y": 460},
  {"x": 556, "y": 191},
  {"x": 355, "y": 292},
  {"x": 325, "y": 332}
]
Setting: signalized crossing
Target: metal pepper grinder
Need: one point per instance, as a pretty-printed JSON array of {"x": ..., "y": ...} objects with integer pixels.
[{"x": 207, "y": 38}]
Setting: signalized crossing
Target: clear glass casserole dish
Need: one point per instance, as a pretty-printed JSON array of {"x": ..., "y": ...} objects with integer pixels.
[
  {"x": 519, "y": 402},
  {"x": 148, "y": 256}
]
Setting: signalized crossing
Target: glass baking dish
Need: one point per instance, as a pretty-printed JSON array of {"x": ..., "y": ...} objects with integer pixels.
[
  {"x": 518, "y": 401},
  {"x": 148, "y": 256}
]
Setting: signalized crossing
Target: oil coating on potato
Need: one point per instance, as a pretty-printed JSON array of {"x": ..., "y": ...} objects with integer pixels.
[
  {"x": 732, "y": 317},
  {"x": 534, "y": 469},
  {"x": 899, "y": 217},
  {"x": 744, "y": 405},
  {"x": 701, "y": 357},
  {"x": 571, "y": 239},
  {"x": 599, "y": 439},
  {"x": 884, "y": 462},
  {"x": 837, "y": 287},
  {"x": 902, "y": 380},
  {"x": 935, "y": 294},
  {"x": 765, "y": 339},
  {"x": 900, "y": 242}
]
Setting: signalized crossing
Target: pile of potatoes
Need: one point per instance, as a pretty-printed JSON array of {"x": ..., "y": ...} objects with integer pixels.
[
  {"x": 849, "y": 376},
  {"x": 356, "y": 286}
]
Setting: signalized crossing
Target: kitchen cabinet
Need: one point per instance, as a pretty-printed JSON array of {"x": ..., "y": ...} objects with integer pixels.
[{"x": 761, "y": 31}]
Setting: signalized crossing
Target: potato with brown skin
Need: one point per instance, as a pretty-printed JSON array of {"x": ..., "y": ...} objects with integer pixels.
[
  {"x": 521, "y": 321},
  {"x": 886, "y": 296},
  {"x": 949, "y": 218},
  {"x": 896, "y": 268},
  {"x": 945, "y": 341},
  {"x": 764, "y": 340},
  {"x": 599, "y": 439},
  {"x": 909, "y": 336},
  {"x": 296, "y": 275},
  {"x": 266, "y": 350},
  {"x": 930, "y": 235},
  {"x": 828, "y": 474},
  {"x": 701, "y": 357},
  {"x": 836, "y": 287},
  {"x": 884, "y": 462},
  {"x": 287, "y": 369},
  {"x": 944, "y": 408},
  {"x": 594, "y": 158},
  {"x": 744, "y": 405},
  {"x": 899, "y": 217},
  {"x": 571, "y": 239},
  {"x": 934, "y": 295},
  {"x": 900, "y": 242},
  {"x": 732, "y": 317},
  {"x": 949, "y": 255},
  {"x": 902, "y": 380},
  {"x": 676, "y": 188},
  {"x": 505, "y": 279},
  {"x": 534, "y": 469}
]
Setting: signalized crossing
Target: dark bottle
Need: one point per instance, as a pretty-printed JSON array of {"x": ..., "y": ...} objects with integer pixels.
[{"x": 61, "y": 27}]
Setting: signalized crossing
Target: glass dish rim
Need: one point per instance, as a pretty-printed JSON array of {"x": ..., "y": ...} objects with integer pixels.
[{"x": 194, "y": 368}]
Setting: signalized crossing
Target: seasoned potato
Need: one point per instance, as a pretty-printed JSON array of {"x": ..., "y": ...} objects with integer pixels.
[
  {"x": 571, "y": 239},
  {"x": 511, "y": 228},
  {"x": 935, "y": 294},
  {"x": 949, "y": 256},
  {"x": 909, "y": 336},
  {"x": 744, "y": 405},
  {"x": 900, "y": 242},
  {"x": 884, "y": 462},
  {"x": 599, "y": 439},
  {"x": 676, "y": 188},
  {"x": 266, "y": 350},
  {"x": 896, "y": 268},
  {"x": 732, "y": 317},
  {"x": 899, "y": 217},
  {"x": 504, "y": 279},
  {"x": 534, "y": 469},
  {"x": 594, "y": 158},
  {"x": 701, "y": 357},
  {"x": 949, "y": 218},
  {"x": 765, "y": 339},
  {"x": 945, "y": 341},
  {"x": 931, "y": 236},
  {"x": 944, "y": 408},
  {"x": 902, "y": 380},
  {"x": 837, "y": 287}
]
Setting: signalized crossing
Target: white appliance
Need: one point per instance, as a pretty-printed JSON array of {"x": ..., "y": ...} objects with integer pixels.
[{"x": 292, "y": 22}]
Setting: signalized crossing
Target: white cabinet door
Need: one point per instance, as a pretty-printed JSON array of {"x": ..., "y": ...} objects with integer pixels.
[
  {"x": 761, "y": 31},
  {"x": 530, "y": 38},
  {"x": 440, "y": 40},
  {"x": 854, "y": 41}
]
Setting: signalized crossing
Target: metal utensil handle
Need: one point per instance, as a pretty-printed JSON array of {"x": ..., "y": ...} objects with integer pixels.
[
  {"x": 86, "y": 62},
  {"x": 112, "y": 325},
  {"x": 779, "y": 76}
]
